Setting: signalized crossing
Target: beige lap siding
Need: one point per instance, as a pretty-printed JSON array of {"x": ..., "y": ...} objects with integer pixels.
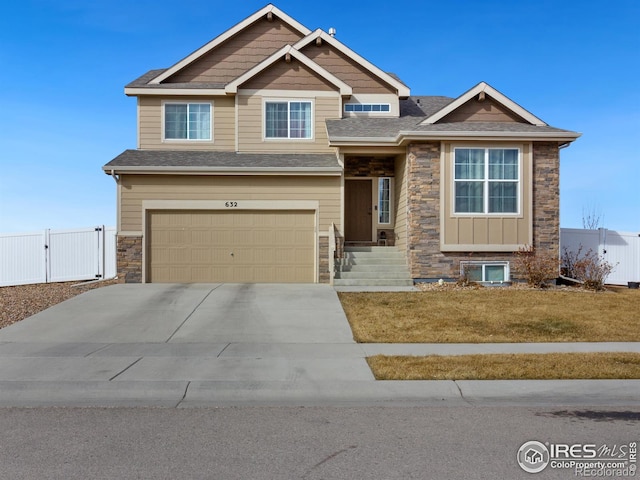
[
  {"x": 251, "y": 121},
  {"x": 150, "y": 124},
  {"x": 136, "y": 188}
]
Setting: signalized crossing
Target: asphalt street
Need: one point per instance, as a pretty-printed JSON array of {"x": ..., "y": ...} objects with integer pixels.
[{"x": 296, "y": 443}]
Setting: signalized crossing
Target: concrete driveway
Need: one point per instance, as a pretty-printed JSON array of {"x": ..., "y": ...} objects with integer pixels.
[{"x": 224, "y": 344}]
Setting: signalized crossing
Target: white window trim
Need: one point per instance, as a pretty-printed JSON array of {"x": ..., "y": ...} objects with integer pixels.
[
  {"x": 187, "y": 140},
  {"x": 486, "y": 181},
  {"x": 288, "y": 101},
  {"x": 352, "y": 112},
  {"x": 484, "y": 264}
]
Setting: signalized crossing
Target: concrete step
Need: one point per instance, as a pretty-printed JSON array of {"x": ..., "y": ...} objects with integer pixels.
[
  {"x": 371, "y": 261},
  {"x": 339, "y": 282},
  {"x": 373, "y": 275},
  {"x": 372, "y": 268},
  {"x": 383, "y": 254}
]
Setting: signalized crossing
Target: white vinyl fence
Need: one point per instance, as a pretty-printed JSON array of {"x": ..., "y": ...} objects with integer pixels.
[
  {"x": 621, "y": 249},
  {"x": 57, "y": 256}
]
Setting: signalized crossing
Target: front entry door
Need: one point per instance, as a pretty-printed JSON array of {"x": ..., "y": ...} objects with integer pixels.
[{"x": 357, "y": 215}]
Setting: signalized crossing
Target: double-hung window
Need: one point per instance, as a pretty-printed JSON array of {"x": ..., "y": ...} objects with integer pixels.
[
  {"x": 187, "y": 121},
  {"x": 288, "y": 119},
  {"x": 487, "y": 180}
]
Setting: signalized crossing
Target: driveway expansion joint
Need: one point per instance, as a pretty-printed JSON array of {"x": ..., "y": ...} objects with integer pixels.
[
  {"x": 125, "y": 369},
  {"x": 192, "y": 312}
]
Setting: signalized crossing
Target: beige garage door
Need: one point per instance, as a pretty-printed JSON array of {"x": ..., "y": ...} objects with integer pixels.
[{"x": 230, "y": 246}]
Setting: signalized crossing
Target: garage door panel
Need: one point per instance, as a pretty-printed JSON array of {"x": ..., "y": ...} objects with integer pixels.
[{"x": 197, "y": 246}]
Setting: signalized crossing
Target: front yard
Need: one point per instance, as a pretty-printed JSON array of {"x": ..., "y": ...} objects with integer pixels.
[
  {"x": 498, "y": 315},
  {"x": 494, "y": 315}
]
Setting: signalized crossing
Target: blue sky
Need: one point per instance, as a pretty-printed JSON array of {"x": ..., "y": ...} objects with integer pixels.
[{"x": 63, "y": 113}]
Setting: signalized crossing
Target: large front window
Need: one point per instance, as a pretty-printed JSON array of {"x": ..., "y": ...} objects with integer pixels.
[
  {"x": 288, "y": 119},
  {"x": 486, "y": 180},
  {"x": 187, "y": 121}
]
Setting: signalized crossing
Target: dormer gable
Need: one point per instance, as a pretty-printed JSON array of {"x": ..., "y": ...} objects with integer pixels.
[
  {"x": 289, "y": 69},
  {"x": 483, "y": 103}
]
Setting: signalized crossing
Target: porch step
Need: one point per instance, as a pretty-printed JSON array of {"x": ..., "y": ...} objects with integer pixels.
[{"x": 372, "y": 266}]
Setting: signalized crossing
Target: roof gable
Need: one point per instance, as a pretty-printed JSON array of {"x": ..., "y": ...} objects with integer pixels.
[
  {"x": 502, "y": 104},
  {"x": 321, "y": 36},
  {"x": 291, "y": 29},
  {"x": 286, "y": 54}
]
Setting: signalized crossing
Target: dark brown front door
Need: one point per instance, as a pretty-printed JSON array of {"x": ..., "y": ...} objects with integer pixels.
[{"x": 357, "y": 215}]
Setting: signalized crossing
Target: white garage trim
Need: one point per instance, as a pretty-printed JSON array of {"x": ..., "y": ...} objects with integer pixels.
[{"x": 230, "y": 205}]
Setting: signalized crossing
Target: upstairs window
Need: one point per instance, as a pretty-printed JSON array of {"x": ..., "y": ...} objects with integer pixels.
[
  {"x": 367, "y": 107},
  {"x": 288, "y": 119},
  {"x": 187, "y": 121},
  {"x": 486, "y": 180}
]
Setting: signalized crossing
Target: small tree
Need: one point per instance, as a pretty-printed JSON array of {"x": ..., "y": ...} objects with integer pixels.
[
  {"x": 538, "y": 268},
  {"x": 589, "y": 268},
  {"x": 591, "y": 218}
]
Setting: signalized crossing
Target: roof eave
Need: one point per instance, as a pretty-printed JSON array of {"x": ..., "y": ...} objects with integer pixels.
[
  {"x": 134, "y": 91},
  {"x": 406, "y": 136},
  {"x": 177, "y": 170}
]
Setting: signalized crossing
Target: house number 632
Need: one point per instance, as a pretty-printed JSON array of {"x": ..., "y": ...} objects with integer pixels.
[{"x": 231, "y": 204}]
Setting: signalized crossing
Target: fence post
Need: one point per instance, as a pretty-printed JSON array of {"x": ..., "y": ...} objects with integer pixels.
[
  {"x": 47, "y": 256},
  {"x": 100, "y": 230}
]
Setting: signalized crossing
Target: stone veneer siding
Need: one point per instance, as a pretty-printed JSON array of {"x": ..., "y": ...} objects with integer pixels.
[
  {"x": 323, "y": 260},
  {"x": 369, "y": 167},
  {"x": 129, "y": 258},
  {"x": 423, "y": 212}
]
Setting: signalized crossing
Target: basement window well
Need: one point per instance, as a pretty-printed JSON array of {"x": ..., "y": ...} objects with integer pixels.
[{"x": 485, "y": 272}]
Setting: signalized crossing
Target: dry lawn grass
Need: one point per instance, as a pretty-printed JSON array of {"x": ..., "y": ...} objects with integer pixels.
[
  {"x": 494, "y": 315},
  {"x": 552, "y": 366}
]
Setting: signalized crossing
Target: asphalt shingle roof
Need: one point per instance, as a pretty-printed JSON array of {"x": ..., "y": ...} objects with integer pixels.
[
  {"x": 413, "y": 111},
  {"x": 208, "y": 159},
  {"x": 143, "y": 82}
]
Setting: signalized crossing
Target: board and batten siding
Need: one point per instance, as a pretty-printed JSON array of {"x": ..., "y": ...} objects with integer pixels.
[
  {"x": 150, "y": 128},
  {"x": 136, "y": 188},
  {"x": 251, "y": 122},
  {"x": 478, "y": 232},
  {"x": 400, "y": 202}
]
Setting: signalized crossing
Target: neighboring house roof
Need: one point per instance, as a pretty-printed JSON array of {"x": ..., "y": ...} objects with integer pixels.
[{"x": 229, "y": 162}]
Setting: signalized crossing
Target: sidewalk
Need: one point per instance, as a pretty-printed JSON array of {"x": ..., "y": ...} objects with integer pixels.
[{"x": 278, "y": 374}]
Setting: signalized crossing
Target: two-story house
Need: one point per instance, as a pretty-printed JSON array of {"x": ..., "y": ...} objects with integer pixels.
[{"x": 273, "y": 146}]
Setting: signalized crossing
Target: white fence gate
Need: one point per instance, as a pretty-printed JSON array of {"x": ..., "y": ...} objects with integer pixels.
[
  {"x": 621, "y": 249},
  {"x": 57, "y": 256}
]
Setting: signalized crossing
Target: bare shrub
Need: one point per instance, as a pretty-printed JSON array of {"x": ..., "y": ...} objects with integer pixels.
[
  {"x": 589, "y": 268},
  {"x": 538, "y": 268}
]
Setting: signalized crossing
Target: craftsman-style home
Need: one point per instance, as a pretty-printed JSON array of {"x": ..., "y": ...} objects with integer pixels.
[{"x": 274, "y": 153}]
